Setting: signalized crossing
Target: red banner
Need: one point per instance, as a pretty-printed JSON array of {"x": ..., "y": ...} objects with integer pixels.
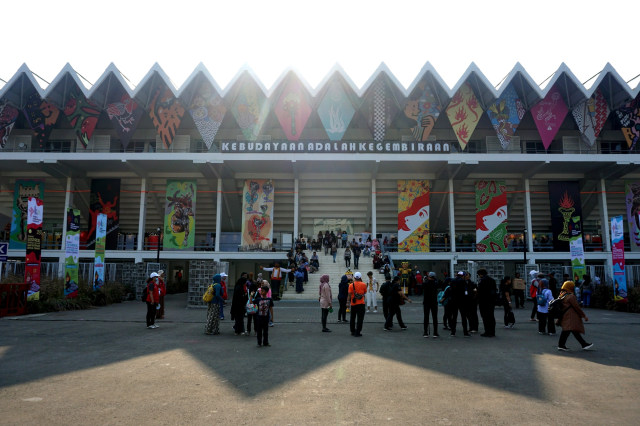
[{"x": 34, "y": 243}]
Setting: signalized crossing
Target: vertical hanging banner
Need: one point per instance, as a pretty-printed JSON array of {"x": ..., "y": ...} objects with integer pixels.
[
  {"x": 82, "y": 114},
  {"x": 564, "y": 202},
  {"x": 632, "y": 200},
  {"x": 293, "y": 109},
  {"x": 548, "y": 114},
  {"x": 413, "y": 215},
  {"x": 505, "y": 115},
  {"x": 42, "y": 116},
  {"x": 422, "y": 110},
  {"x": 250, "y": 109},
  {"x": 629, "y": 120},
  {"x": 491, "y": 216},
  {"x": 34, "y": 245},
  {"x": 207, "y": 110},
  {"x": 464, "y": 114},
  {"x": 590, "y": 116},
  {"x": 104, "y": 198},
  {"x": 166, "y": 113},
  {"x": 72, "y": 253},
  {"x": 180, "y": 215},
  {"x": 335, "y": 111},
  {"x": 617, "y": 253},
  {"x": 24, "y": 189},
  {"x": 124, "y": 114},
  {"x": 8, "y": 117},
  {"x": 576, "y": 246},
  {"x": 257, "y": 214},
  {"x": 98, "y": 263}
]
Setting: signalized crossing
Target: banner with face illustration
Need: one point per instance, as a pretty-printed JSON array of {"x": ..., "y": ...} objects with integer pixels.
[
  {"x": 104, "y": 198},
  {"x": 180, "y": 215},
  {"x": 98, "y": 265},
  {"x": 166, "y": 114},
  {"x": 617, "y": 253},
  {"x": 125, "y": 114},
  {"x": 42, "y": 117},
  {"x": 257, "y": 214},
  {"x": 491, "y": 216},
  {"x": 422, "y": 111},
  {"x": 564, "y": 202},
  {"x": 24, "y": 189},
  {"x": 632, "y": 200},
  {"x": 71, "y": 254},
  {"x": 413, "y": 215},
  {"x": 34, "y": 246}
]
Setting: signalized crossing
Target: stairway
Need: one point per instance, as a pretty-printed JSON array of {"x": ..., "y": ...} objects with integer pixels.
[{"x": 335, "y": 272}]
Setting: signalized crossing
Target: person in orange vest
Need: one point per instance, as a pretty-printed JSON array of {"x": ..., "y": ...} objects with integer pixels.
[
  {"x": 356, "y": 302},
  {"x": 276, "y": 278}
]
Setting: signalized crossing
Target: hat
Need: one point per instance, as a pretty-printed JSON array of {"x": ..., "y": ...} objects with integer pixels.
[
  {"x": 357, "y": 275},
  {"x": 348, "y": 272},
  {"x": 417, "y": 272},
  {"x": 223, "y": 275},
  {"x": 153, "y": 275},
  {"x": 160, "y": 272},
  {"x": 217, "y": 278},
  {"x": 432, "y": 274},
  {"x": 461, "y": 273}
]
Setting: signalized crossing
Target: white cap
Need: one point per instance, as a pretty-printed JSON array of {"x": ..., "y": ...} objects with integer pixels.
[
  {"x": 460, "y": 272},
  {"x": 153, "y": 275},
  {"x": 357, "y": 275},
  {"x": 223, "y": 275}
]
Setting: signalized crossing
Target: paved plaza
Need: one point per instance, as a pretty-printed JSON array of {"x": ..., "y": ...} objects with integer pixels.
[{"x": 102, "y": 366}]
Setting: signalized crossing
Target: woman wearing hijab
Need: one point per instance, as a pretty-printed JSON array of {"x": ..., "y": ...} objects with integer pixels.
[
  {"x": 238, "y": 304},
  {"x": 571, "y": 321},
  {"x": 325, "y": 298},
  {"x": 299, "y": 280}
]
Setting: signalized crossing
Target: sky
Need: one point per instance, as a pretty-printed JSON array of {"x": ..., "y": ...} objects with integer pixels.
[{"x": 273, "y": 36}]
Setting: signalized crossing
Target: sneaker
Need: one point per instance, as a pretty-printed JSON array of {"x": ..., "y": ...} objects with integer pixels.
[
  {"x": 154, "y": 326},
  {"x": 473, "y": 331},
  {"x": 507, "y": 326},
  {"x": 403, "y": 328},
  {"x": 540, "y": 332},
  {"x": 589, "y": 346},
  {"x": 426, "y": 335},
  {"x": 375, "y": 311},
  {"x": 436, "y": 335},
  {"x": 266, "y": 344},
  {"x": 386, "y": 329},
  {"x": 513, "y": 323},
  {"x": 563, "y": 348},
  {"x": 271, "y": 325},
  {"x": 532, "y": 319},
  {"x": 150, "y": 327},
  {"x": 326, "y": 330},
  {"x": 452, "y": 335},
  {"x": 552, "y": 334}
]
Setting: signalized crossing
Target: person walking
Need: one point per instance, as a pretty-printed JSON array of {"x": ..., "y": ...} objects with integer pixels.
[
  {"x": 430, "y": 289},
  {"x": 486, "y": 302},
  {"x": 238, "y": 303},
  {"x": 153, "y": 296},
  {"x": 163, "y": 290},
  {"x": 325, "y": 299},
  {"x": 213, "y": 307},
  {"x": 396, "y": 299},
  {"x": 355, "y": 302},
  {"x": 545, "y": 323},
  {"x": 347, "y": 257},
  {"x": 356, "y": 255},
  {"x": 385, "y": 292},
  {"x": 518, "y": 290},
  {"x": 505, "y": 296},
  {"x": 343, "y": 295},
  {"x": 372, "y": 292},
  {"x": 334, "y": 250},
  {"x": 571, "y": 321},
  {"x": 264, "y": 316}
]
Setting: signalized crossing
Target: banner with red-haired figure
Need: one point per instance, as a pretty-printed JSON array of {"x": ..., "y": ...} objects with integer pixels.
[
  {"x": 413, "y": 215},
  {"x": 491, "y": 216}
]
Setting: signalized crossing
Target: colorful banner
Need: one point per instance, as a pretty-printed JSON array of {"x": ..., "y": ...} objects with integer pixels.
[
  {"x": 632, "y": 200},
  {"x": 72, "y": 253},
  {"x": 250, "y": 109},
  {"x": 82, "y": 114},
  {"x": 34, "y": 245},
  {"x": 548, "y": 114},
  {"x": 505, "y": 115},
  {"x": 421, "y": 111},
  {"x": 42, "y": 116},
  {"x": 180, "y": 215},
  {"x": 335, "y": 111},
  {"x": 464, "y": 112},
  {"x": 257, "y": 214},
  {"x": 617, "y": 253},
  {"x": 207, "y": 110},
  {"x": 576, "y": 247},
  {"x": 8, "y": 117},
  {"x": 564, "y": 202},
  {"x": 125, "y": 114},
  {"x": 413, "y": 215},
  {"x": 166, "y": 113},
  {"x": 24, "y": 189},
  {"x": 98, "y": 263},
  {"x": 380, "y": 108},
  {"x": 629, "y": 119},
  {"x": 491, "y": 216},
  {"x": 293, "y": 109},
  {"x": 590, "y": 116},
  {"x": 104, "y": 198}
]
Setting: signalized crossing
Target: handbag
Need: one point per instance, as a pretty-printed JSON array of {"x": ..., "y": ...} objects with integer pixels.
[{"x": 251, "y": 307}]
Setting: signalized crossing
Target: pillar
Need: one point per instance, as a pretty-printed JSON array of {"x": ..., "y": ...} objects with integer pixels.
[
  {"x": 218, "y": 215},
  {"x": 296, "y": 209},
  {"x": 374, "y": 216}
]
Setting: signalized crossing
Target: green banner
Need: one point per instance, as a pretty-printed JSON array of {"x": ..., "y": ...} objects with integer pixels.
[
  {"x": 72, "y": 252},
  {"x": 23, "y": 190},
  {"x": 180, "y": 215}
]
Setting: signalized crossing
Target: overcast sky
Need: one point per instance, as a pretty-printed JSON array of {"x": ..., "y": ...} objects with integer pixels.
[{"x": 271, "y": 36}]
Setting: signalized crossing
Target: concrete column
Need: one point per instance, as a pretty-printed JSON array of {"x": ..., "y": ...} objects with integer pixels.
[
  {"x": 218, "y": 215},
  {"x": 67, "y": 204},
  {"x": 374, "y": 216},
  {"x": 142, "y": 214},
  {"x": 296, "y": 210},
  {"x": 452, "y": 220},
  {"x": 604, "y": 216},
  {"x": 527, "y": 215}
]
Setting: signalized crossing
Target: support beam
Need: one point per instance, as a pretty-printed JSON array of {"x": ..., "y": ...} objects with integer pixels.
[
  {"x": 142, "y": 214},
  {"x": 604, "y": 216},
  {"x": 373, "y": 209},
  {"x": 527, "y": 214},
  {"x": 67, "y": 204},
  {"x": 452, "y": 219},
  {"x": 296, "y": 209},
  {"x": 218, "y": 216}
]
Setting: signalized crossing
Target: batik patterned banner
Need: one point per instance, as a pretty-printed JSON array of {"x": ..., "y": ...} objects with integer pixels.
[
  {"x": 125, "y": 114},
  {"x": 590, "y": 116},
  {"x": 207, "y": 110},
  {"x": 464, "y": 113},
  {"x": 491, "y": 216},
  {"x": 104, "y": 198},
  {"x": 336, "y": 111},
  {"x": 42, "y": 116},
  {"x": 505, "y": 115},
  {"x": 82, "y": 114},
  {"x": 98, "y": 263},
  {"x": 180, "y": 215},
  {"x": 564, "y": 202},
  {"x": 380, "y": 108},
  {"x": 548, "y": 114},
  {"x": 72, "y": 253},
  {"x": 166, "y": 113},
  {"x": 24, "y": 189},
  {"x": 629, "y": 119},
  {"x": 632, "y": 200},
  {"x": 617, "y": 252},
  {"x": 413, "y": 215},
  {"x": 578, "y": 265},
  {"x": 34, "y": 245},
  {"x": 250, "y": 110},
  {"x": 257, "y": 214},
  {"x": 421, "y": 111},
  {"x": 8, "y": 117},
  {"x": 293, "y": 109}
]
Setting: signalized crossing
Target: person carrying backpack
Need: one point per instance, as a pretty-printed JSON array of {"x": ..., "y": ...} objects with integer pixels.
[
  {"x": 546, "y": 324},
  {"x": 213, "y": 306}
]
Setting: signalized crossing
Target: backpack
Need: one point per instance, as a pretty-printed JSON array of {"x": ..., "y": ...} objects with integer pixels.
[
  {"x": 541, "y": 299},
  {"x": 208, "y": 295},
  {"x": 442, "y": 300},
  {"x": 556, "y": 308}
]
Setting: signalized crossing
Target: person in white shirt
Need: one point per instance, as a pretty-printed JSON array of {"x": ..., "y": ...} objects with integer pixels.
[{"x": 372, "y": 291}]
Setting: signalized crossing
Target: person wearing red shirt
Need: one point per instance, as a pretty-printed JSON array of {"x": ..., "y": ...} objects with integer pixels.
[
  {"x": 153, "y": 296},
  {"x": 356, "y": 302}
]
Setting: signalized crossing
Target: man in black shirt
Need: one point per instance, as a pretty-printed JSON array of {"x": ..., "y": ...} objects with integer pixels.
[
  {"x": 431, "y": 286},
  {"x": 457, "y": 303},
  {"x": 486, "y": 302}
]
